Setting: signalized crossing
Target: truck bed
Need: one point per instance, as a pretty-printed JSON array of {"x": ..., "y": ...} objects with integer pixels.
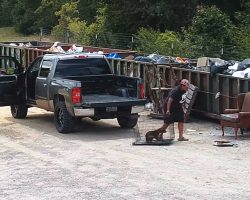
[{"x": 105, "y": 100}]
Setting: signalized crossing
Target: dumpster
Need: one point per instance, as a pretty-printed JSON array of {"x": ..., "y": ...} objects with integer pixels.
[{"x": 206, "y": 102}]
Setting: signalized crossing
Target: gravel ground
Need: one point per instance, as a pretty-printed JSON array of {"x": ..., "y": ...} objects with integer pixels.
[{"x": 98, "y": 161}]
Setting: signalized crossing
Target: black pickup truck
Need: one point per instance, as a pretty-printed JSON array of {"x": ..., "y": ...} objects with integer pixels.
[{"x": 72, "y": 86}]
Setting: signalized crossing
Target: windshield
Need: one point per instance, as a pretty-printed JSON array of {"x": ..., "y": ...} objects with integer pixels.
[{"x": 82, "y": 67}]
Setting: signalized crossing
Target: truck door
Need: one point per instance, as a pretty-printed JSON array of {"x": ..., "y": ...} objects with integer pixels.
[
  {"x": 31, "y": 76},
  {"x": 11, "y": 81},
  {"x": 42, "y": 82}
]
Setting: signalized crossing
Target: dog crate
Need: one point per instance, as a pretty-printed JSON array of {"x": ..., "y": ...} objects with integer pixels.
[{"x": 146, "y": 124}]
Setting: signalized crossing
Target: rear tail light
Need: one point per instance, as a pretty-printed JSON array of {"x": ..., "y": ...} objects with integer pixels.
[
  {"x": 76, "y": 95},
  {"x": 142, "y": 91}
]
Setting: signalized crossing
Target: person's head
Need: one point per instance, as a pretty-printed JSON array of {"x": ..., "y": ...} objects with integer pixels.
[{"x": 184, "y": 84}]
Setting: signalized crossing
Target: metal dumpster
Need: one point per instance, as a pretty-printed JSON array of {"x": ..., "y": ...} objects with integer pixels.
[{"x": 205, "y": 104}]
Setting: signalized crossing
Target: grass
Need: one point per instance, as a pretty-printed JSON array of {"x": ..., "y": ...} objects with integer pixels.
[{"x": 8, "y": 34}]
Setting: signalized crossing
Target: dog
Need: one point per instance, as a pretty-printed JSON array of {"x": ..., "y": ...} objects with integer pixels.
[{"x": 156, "y": 134}]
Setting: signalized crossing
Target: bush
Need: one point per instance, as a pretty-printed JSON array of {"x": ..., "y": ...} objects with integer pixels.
[
  {"x": 210, "y": 31},
  {"x": 243, "y": 36},
  {"x": 149, "y": 41},
  {"x": 80, "y": 31}
]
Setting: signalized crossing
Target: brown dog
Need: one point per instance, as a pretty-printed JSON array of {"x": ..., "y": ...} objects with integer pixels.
[{"x": 156, "y": 134}]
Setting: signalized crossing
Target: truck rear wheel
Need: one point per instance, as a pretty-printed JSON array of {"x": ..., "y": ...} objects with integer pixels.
[
  {"x": 63, "y": 120},
  {"x": 128, "y": 121},
  {"x": 19, "y": 111}
]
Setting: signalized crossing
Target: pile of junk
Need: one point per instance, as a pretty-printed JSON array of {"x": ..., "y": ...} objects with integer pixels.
[{"x": 239, "y": 69}]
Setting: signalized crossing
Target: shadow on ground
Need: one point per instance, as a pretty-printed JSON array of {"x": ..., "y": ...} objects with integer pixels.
[{"x": 86, "y": 129}]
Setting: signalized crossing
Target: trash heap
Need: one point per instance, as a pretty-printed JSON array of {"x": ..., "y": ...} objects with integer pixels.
[{"x": 239, "y": 69}]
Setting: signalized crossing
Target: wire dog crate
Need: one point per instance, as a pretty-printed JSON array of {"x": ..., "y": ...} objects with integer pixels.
[{"x": 146, "y": 124}]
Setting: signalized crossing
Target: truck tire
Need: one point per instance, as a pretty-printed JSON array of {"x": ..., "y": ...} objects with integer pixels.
[
  {"x": 19, "y": 111},
  {"x": 64, "y": 122},
  {"x": 78, "y": 120},
  {"x": 128, "y": 121}
]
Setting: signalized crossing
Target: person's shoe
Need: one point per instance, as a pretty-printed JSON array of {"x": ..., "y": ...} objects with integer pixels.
[{"x": 182, "y": 139}]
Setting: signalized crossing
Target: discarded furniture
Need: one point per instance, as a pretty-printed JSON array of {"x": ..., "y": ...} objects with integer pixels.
[
  {"x": 189, "y": 100},
  {"x": 237, "y": 118}
]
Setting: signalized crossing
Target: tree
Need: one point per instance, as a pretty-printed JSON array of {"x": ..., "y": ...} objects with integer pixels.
[
  {"x": 227, "y": 6},
  {"x": 149, "y": 40},
  {"x": 46, "y": 16},
  {"x": 88, "y": 10},
  {"x": 66, "y": 15},
  {"x": 128, "y": 16},
  {"x": 243, "y": 24},
  {"x": 48, "y": 8},
  {"x": 7, "y": 19},
  {"x": 24, "y": 14},
  {"x": 84, "y": 33},
  {"x": 210, "y": 31}
]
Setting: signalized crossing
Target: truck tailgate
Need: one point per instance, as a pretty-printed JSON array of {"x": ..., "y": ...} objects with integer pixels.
[{"x": 97, "y": 100}]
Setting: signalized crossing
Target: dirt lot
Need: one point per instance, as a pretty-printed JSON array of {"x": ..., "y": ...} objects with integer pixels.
[{"x": 99, "y": 162}]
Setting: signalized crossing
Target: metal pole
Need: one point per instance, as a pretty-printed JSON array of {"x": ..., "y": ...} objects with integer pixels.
[
  {"x": 68, "y": 36},
  {"x": 41, "y": 33},
  {"x": 172, "y": 49},
  {"x": 132, "y": 42}
]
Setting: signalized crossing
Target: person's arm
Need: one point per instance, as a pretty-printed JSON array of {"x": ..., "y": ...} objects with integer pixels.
[{"x": 169, "y": 103}]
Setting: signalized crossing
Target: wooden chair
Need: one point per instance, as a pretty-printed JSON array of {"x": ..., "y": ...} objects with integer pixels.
[{"x": 237, "y": 118}]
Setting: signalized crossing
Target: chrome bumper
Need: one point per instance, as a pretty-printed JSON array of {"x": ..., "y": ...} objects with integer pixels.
[
  {"x": 88, "y": 112},
  {"x": 137, "y": 109}
]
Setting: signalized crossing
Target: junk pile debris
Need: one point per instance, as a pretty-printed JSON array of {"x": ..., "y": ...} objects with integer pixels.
[{"x": 213, "y": 65}]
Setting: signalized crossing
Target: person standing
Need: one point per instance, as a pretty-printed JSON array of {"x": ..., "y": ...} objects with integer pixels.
[{"x": 174, "y": 110}]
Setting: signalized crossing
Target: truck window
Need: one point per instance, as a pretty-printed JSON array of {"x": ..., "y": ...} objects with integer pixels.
[
  {"x": 81, "y": 67},
  {"x": 7, "y": 66},
  {"x": 35, "y": 66},
  {"x": 45, "y": 69}
]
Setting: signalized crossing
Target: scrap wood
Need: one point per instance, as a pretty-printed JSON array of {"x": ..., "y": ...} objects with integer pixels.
[{"x": 149, "y": 77}]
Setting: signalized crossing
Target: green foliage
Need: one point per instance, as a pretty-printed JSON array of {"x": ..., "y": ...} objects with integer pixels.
[
  {"x": 169, "y": 43},
  {"x": 48, "y": 9},
  {"x": 210, "y": 31},
  {"x": 149, "y": 40},
  {"x": 67, "y": 12},
  {"x": 128, "y": 16},
  {"x": 66, "y": 15},
  {"x": 45, "y": 13},
  {"x": 243, "y": 41},
  {"x": 227, "y": 6},
  {"x": 243, "y": 36},
  {"x": 23, "y": 15},
  {"x": 6, "y": 17},
  {"x": 83, "y": 33},
  {"x": 95, "y": 22},
  {"x": 78, "y": 29},
  {"x": 146, "y": 40},
  {"x": 88, "y": 10}
]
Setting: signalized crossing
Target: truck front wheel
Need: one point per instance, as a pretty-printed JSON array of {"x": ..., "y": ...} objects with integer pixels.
[
  {"x": 19, "y": 111},
  {"x": 63, "y": 120},
  {"x": 128, "y": 121}
]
